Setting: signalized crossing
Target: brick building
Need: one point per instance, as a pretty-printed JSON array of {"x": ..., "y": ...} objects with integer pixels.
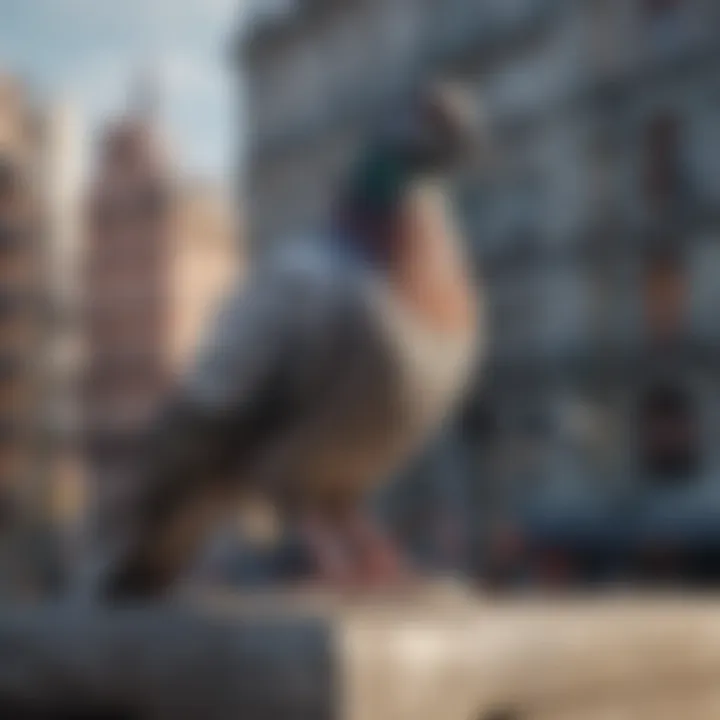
[
  {"x": 36, "y": 158},
  {"x": 159, "y": 252}
]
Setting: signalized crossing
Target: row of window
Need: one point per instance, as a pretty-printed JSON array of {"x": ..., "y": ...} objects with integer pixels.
[
  {"x": 150, "y": 204},
  {"x": 548, "y": 309},
  {"x": 665, "y": 423},
  {"x": 12, "y": 179}
]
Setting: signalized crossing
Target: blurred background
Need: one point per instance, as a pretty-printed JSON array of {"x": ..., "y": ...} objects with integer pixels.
[{"x": 149, "y": 151}]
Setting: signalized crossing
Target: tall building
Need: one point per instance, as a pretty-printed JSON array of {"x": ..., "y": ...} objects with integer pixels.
[
  {"x": 35, "y": 161},
  {"x": 62, "y": 182},
  {"x": 205, "y": 258},
  {"x": 21, "y": 234},
  {"x": 159, "y": 252},
  {"x": 21, "y": 323},
  {"x": 596, "y": 237}
]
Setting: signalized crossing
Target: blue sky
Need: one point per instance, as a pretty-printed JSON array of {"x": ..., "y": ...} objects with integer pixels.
[{"x": 88, "y": 52}]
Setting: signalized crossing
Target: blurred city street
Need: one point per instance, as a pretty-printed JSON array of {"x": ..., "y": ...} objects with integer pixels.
[{"x": 530, "y": 413}]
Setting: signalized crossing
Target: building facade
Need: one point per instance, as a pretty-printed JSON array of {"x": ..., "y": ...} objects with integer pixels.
[
  {"x": 596, "y": 236},
  {"x": 62, "y": 180},
  {"x": 36, "y": 159},
  {"x": 21, "y": 285},
  {"x": 595, "y": 239},
  {"x": 159, "y": 253}
]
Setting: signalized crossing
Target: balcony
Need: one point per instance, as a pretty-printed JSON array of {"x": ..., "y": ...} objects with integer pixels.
[
  {"x": 14, "y": 463},
  {"x": 102, "y": 445},
  {"x": 468, "y": 31},
  {"x": 356, "y": 110},
  {"x": 580, "y": 322},
  {"x": 634, "y": 227},
  {"x": 684, "y": 213},
  {"x": 632, "y": 357},
  {"x": 680, "y": 54},
  {"x": 13, "y": 237},
  {"x": 13, "y": 428},
  {"x": 16, "y": 393},
  {"x": 12, "y": 365},
  {"x": 673, "y": 31},
  {"x": 15, "y": 303},
  {"x": 120, "y": 417},
  {"x": 511, "y": 253},
  {"x": 19, "y": 338},
  {"x": 60, "y": 426},
  {"x": 11, "y": 178},
  {"x": 121, "y": 384},
  {"x": 17, "y": 429}
]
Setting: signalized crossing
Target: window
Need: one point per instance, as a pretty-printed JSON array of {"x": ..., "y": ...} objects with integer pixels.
[
  {"x": 13, "y": 462},
  {"x": 11, "y": 366},
  {"x": 14, "y": 394},
  {"x": 655, "y": 9},
  {"x": 105, "y": 216},
  {"x": 516, "y": 315},
  {"x": 121, "y": 145},
  {"x": 12, "y": 237},
  {"x": 663, "y": 167},
  {"x": 666, "y": 294},
  {"x": 671, "y": 29},
  {"x": 8, "y": 178},
  {"x": 668, "y": 433},
  {"x": 153, "y": 203},
  {"x": 104, "y": 448}
]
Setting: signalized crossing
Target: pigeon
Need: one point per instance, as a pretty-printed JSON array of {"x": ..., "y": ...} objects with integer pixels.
[{"x": 323, "y": 373}]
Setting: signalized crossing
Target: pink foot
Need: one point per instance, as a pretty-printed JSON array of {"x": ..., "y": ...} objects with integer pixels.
[
  {"x": 355, "y": 555},
  {"x": 379, "y": 562},
  {"x": 332, "y": 561}
]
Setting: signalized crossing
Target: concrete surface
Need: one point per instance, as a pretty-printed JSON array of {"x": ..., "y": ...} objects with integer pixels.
[{"x": 432, "y": 655}]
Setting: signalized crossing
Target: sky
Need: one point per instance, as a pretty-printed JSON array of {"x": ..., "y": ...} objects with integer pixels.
[{"x": 89, "y": 52}]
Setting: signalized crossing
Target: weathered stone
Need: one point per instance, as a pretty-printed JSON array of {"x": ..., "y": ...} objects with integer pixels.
[{"x": 429, "y": 656}]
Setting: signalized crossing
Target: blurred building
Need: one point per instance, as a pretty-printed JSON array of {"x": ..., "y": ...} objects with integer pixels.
[
  {"x": 596, "y": 236},
  {"x": 36, "y": 159},
  {"x": 159, "y": 252},
  {"x": 20, "y": 280},
  {"x": 206, "y": 256},
  {"x": 62, "y": 182}
]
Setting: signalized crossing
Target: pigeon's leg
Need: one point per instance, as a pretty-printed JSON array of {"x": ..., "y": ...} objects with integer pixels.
[
  {"x": 350, "y": 550},
  {"x": 329, "y": 553},
  {"x": 378, "y": 559}
]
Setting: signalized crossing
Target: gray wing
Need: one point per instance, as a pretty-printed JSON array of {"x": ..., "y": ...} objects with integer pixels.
[
  {"x": 275, "y": 325},
  {"x": 272, "y": 345}
]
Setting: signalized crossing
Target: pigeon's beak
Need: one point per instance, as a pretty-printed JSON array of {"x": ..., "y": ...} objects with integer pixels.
[{"x": 457, "y": 130}]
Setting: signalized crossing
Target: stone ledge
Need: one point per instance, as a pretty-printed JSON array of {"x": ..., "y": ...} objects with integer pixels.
[{"x": 431, "y": 656}]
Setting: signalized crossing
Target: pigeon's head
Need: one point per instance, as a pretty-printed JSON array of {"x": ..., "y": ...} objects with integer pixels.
[
  {"x": 431, "y": 136},
  {"x": 443, "y": 127}
]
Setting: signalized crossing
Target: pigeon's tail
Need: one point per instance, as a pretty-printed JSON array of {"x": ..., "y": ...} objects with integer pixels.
[{"x": 176, "y": 496}]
